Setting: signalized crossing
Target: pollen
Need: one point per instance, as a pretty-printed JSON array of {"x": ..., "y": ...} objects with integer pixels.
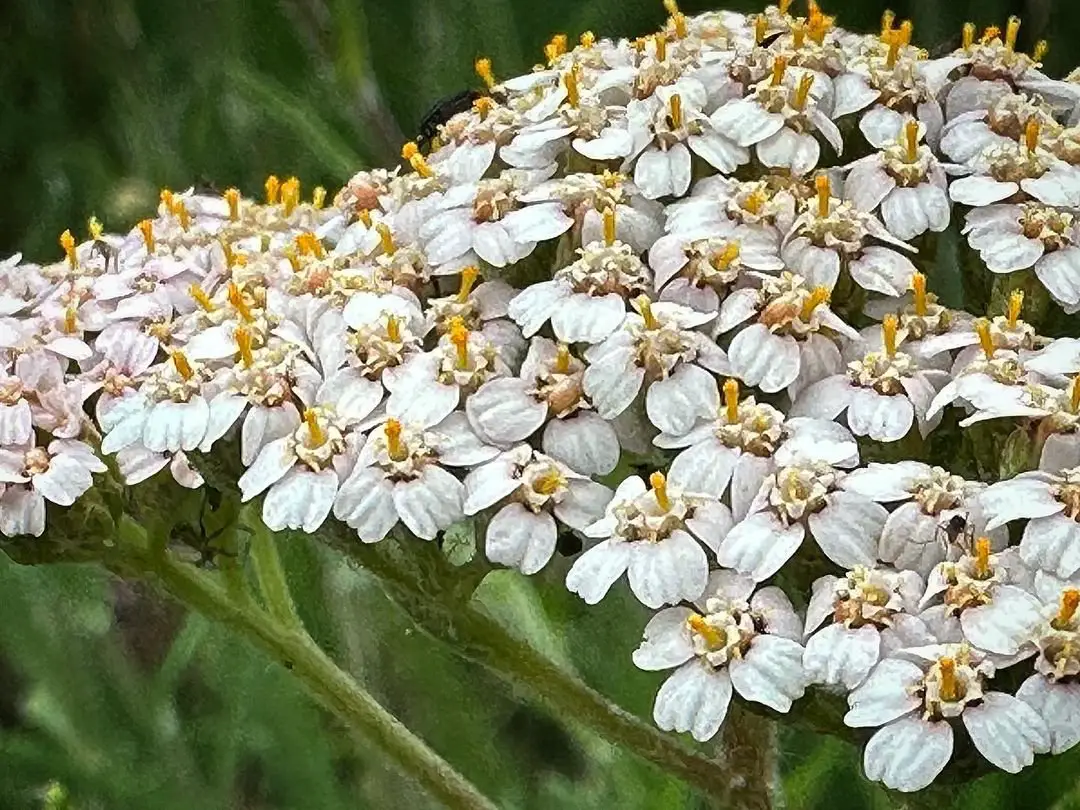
[
  {"x": 986, "y": 341},
  {"x": 483, "y": 107},
  {"x": 722, "y": 260},
  {"x": 411, "y": 153},
  {"x": 236, "y": 298},
  {"x": 911, "y": 140},
  {"x": 315, "y": 430},
  {"x": 483, "y": 70},
  {"x": 273, "y": 189},
  {"x": 731, "y": 400},
  {"x": 659, "y": 485},
  {"x": 570, "y": 81},
  {"x": 71, "y": 323},
  {"x": 94, "y": 226},
  {"x": 468, "y": 279},
  {"x": 182, "y": 215},
  {"x": 889, "y": 327},
  {"x": 459, "y": 337},
  {"x": 609, "y": 226},
  {"x": 555, "y": 48},
  {"x": 824, "y": 193},
  {"x": 755, "y": 201},
  {"x": 611, "y": 179},
  {"x": 1074, "y": 394},
  {"x": 232, "y": 197},
  {"x": 798, "y": 34},
  {"x": 1031, "y": 133},
  {"x": 587, "y": 39},
  {"x": 644, "y": 306},
  {"x": 243, "y": 345},
  {"x": 918, "y": 287},
  {"x": 802, "y": 92},
  {"x": 1012, "y": 28},
  {"x": 888, "y": 17},
  {"x": 679, "y": 21},
  {"x": 146, "y": 228},
  {"x": 182, "y": 366},
  {"x": 310, "y": 245},
  {"x": 364, "y": 215},
  {"x": 712, "y": 637},
  {"x": 1016, "y": 306},
  {"x": 562, "y": 359},
  {"x": 393, "y": 328},
  {"x": 982, "y": 558},
  {"x": 676, "y": 111},
  {"x": 761, "y": 28},
  {"x": 660, "y": 44},
  {"x": 1038, "y": 53},
  {"x": 67, "y": 243},
  {"x": 1070, "y": 601},
  {"x": 969, "y": 36},
  {"x": 779, "y": 66},
  {"x": 949, "y": 692},
  {"x": 783, "y": 5},
  {"x": 386, "y": 239},
  {"x": 168, "y": 199},
  {"x": 318, "y": 197},
  {"x": 817, "y": 297},
  {"x": 290, "y": 195},
  {"x": 549, "y": 483},
  {"x": 199, "y": 296}
]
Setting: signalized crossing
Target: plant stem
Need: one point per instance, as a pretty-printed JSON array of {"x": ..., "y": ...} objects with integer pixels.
[
  {"x": 269, "y": 572},
  {"x": 294, "y": 648}
]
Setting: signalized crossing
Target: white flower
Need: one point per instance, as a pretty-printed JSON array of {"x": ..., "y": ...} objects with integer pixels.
[
  {"x": 874, "y": 612},
  {"x": 1051, "y": 539},
  {"x": 652, "y": 535},
  {"x": 399, "y": 475},
  {"x": 59, "y": 473},
  {"x": 532, "y": 487},
  {"x": 16, "y": 418},
  {"x": 1001, "y": 123},
  {"x": 733, "y": 637},
  {"x": 719, "y": 203},
  {"x": 884, "y": 394},
  {"x": 658, "y": 348}
]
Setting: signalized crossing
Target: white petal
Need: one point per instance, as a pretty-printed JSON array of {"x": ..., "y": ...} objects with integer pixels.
[
  {"x": 1007, "y": 731},
  {"x": 694, "y": 698},
  {"x": 263, "y": 425},
  {"x": 909, "y": 754},
  {"x": 764, "y": 360},
  {"x": 847, "y": 529},
  {"x": 746, "y": 122},
  {"x": 705, "y": 468},
  {"x": 519, "y": 538},
  {"x": 667, "y": 642},
  {"x": 613, "y": 384},
  {"x": 838, "y": 656},
  {"x": 887, "y": 694},
  {"x": 586, "y": 443},
  {"x": 770, "y": 672},
  {"x": 64, "y": 481},
  {"x": 595, "y": 571},
  {"x": 760, "y": 545},
  {"x": 431, "y": 503},
  {"x": 1059, "y": 705},
  {"x": 534, "y": 305},
  {"x": 669, "y": 571},
  {"x": 1005, "y": 623},
  {"x": 365, "y": 502},
  {"x": 172, "y": 426},
  {"x": 300, "y": 500},
  {"x": 22, "y": 511},
  {"x": 1022, "y": 497},
  {"x": 225, "y": 409},
  {"x": 882, "y": 270},
  {"x": 882, "y": 418},
  {"x": 980, "y": 190},
  {"x": 503, "y": 412},
  {"x": 273, "y": 461},
  {"x": 675, "y": 404},
  {"x": 584, "y": 318},
  {"x": 352, "y": 395},
  {"x": 1052, "y": 544},
  {"x": 456, "y": 443}
]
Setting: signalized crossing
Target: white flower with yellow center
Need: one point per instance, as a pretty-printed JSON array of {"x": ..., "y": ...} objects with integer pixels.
[
  {"x": 399, "y": 476},
  {"x": 733, "y": 637},
  {"x": 883, "y": 394},
  {"x": 16, "y": 417},
  {"x": 1001, "y": 123},
  {"x": 927, "y": 329},
  {"x": 874, "y": 612},
  {"x": 717, "y": 204},
  {"x": 803, "y": 495},
  {"x": 1051, "y": 503},
  {"x": 483, "y": 308},
  {"x": 657, "y": 347},
  {"x": 654, "y": 536},
  {"x": 534, "y": 491},
  {"x": 59, "y": 473},
  {"x": 385, "y": 331},
  {"x": 917, "y": 698},
  {"x": 586, "y": 300},
  {"x": 789, "y": 344}
]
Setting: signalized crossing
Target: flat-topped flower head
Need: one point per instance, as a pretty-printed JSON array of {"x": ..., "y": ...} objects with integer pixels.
[
  {"x": 733, "y": 637},
  {"x": 534, "y": 491},
  {"x": 872, "y": 611},
  {"x": 652, "y": 534},
  {"x": 917, "y": 698}
]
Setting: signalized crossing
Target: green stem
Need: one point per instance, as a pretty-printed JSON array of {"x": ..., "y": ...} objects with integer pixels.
[
  {"x": 269, "y": 572},
  {"x": 412, "y": 580},
  {"x": 295, "y": 649}
]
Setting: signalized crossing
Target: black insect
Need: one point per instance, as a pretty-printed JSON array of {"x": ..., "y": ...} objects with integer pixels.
[
  {"x": 107, "y": 252},
  {"x": 442, "y": 111}
]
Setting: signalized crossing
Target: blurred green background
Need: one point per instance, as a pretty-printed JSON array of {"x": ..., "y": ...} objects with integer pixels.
[{"x": 120, "y": 696}]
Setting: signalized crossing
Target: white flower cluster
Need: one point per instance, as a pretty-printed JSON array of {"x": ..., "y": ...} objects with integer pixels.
[{"x": 636, "y": 255}]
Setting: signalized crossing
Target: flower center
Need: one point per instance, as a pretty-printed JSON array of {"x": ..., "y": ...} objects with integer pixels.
[{"x": 36, "y": 461}]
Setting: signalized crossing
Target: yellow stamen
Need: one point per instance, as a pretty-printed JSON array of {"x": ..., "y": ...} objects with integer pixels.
[
  {"x": 1016, "y": 306},
  {"x": 273, "y": 189},
  {"x": 318, "y": 197},
  {"x": 587, "y": 39},
  {"x": 755, "y": 201},
  {"x": 182, "y": 366},
  {"x": 990, "y": 33},
  {"x": 573, "y": 93},
  {"x": 562, "y": 359},
  {"x": 660, "y": 43},
  {"x": 198, "y": 294},
  {"x": 1040, "y": 50},
  {"x": 549, "y": 483},
  {"x": 889, "y": 327},
  {"x": 783, "y": 5},
  {"x": 232, "y": 197},
  {"x": 820, "y": 24},
  {"x": 146, "y": 227},
  {"x": 676, "y": 110},
  {"x": 555, "y": 48},
  {"x": 887, "y": 19},
  {"x": 761, "y": 28},
  {"x": 411, "y": 153},
  {"x": 802, "y": 92},
  {"x": 679, "y": 20},
  {"x": 894, "y": 50},
  {"x": 1031, "y": 133},
  {"x": 95, "y": 227},
  {"x": 713, "y": 637},
  {"x": 659, "y": 485},
  {"x": 671, "y": 7},
  {"x": 1074, "y": 395},
  {"x": 731, "y": 400},
  {"x": 947, "y": 666},
  {"x": 290, "y": 195},
  {"x": 71, "y": 323},
  {"x": 67, "y": 242},
  {"x": 236, "y": 298},
  {"x": 315, "y": 430},
  {"x": 611, "y": 179},
  {"x": 386, "y": 238},
  {"x": 779, "y": 65},
  {"x": 230, "y": 255},
  {"x": 982, "y": 329},
  {"x": 393, "y": 328},
  {"x": 394, "y": 446},
  {"x": 1011, "y": 30},
  {"x": 905, "y": 30},
  {"x": 982, "y": 558},
  {"x": 309, "y": 244},
  {"x": 824, "y": 193},
  {"x": 168, "y": 199},
  {"x": 918, "y": 286},
  {"x": 180, "y": 209},
  {"x": 911, "y": 140},
  {"x": 722, "y": 261},
  {"x": 483, "y": 106},
  {"x": 969, "y": 36},
  {"x": 609, "y": 226},
  {"x": 364, "y": 215},
  {"x": 1070, "y": 601},
  {"x": 798, "y": 34},
  {"x": 483, "y": 70},
  {"x": 817, "y": 297},
  {"x": 243, "y": 343},
  {"x": 468, "y": 279},
  {"x": 459, "y": 337},
  {"x": 645, "y": 308}
]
